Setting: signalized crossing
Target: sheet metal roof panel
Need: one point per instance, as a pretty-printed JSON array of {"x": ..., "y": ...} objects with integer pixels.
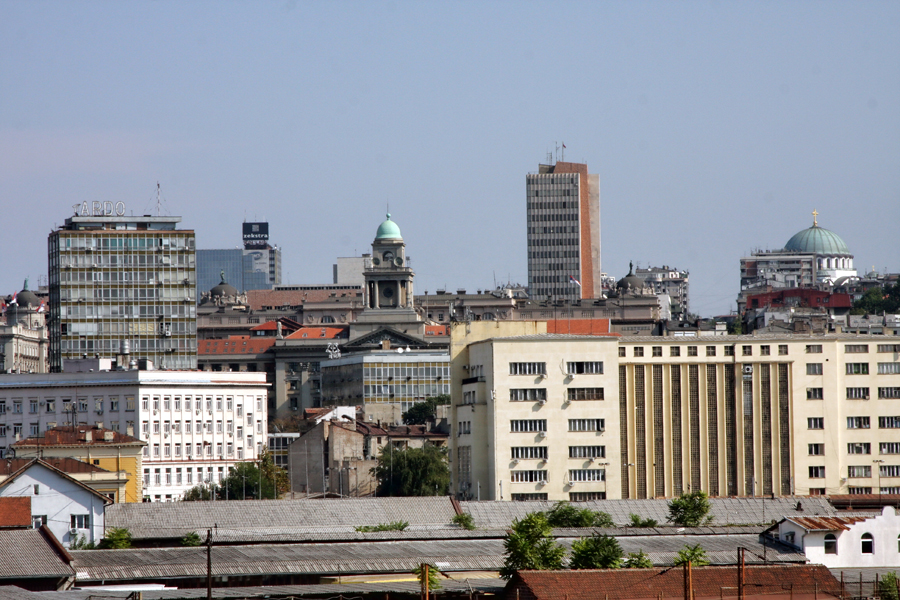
[{"x": 25, "y": 553}]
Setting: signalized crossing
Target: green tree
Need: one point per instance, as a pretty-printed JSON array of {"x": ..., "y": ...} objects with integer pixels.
[
  {"x": 638, "y": 560},
  {"x": 393, "y": 526},
  {"x": 80, "y": 542},
  {"x": 421, "y": 413},
  {"x": 192, "y": 538},
  {"x": 690, "y": 509},
  {"x": 887, "y": 587},
  {"x": 201, "y": 491},
  {"x": 878, "y": 300},
  {"x": 695, "y": 555},
  {"x": 638, "y": 521},
  {"x": 412, "y": 472},
  {"x": 434, "y": 581},
  {"x": 116, "y": 538},
  {"x": 596, "y": 552},
  {"x": 464, "y": 520},
  {"x": 564, "y": 514},
  {"x": 530, "y": 546},
  {"x": 259, "y": 479}
]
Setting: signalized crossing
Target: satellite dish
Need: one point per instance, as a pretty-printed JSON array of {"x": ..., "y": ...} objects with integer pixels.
[{"x": 399, "y": 350}]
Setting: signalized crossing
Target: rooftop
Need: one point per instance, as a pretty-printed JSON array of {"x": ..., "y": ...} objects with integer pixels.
[
  {"x": 80, "y": 435},
  {"x": 29, "y": 553}
]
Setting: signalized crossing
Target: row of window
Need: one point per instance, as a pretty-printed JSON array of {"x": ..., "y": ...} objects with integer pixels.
[
  {"x": 189, "y": 476},
  {"x": 573, "y": 496},
  {"x": 198, "y": 426},
  {"x": 892, "y": 422},
  {"x": 572, "y": 368},
  {"x": 574, "y": 476},
  {"x": 858, "y": 471},
  {"x": 540, "y": 425},
  {"x": 764, "y": 350},
  {"x": 198, "y": 450},
  {"x": 113, "y": 404},
  {"x": 541, "y": 452},
  {"x": 540, "y": 394},
  {"x": 858, "y": 448}
]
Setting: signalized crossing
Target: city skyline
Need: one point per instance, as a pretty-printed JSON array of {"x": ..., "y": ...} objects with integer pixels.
[{"x": 714, "y": 128}]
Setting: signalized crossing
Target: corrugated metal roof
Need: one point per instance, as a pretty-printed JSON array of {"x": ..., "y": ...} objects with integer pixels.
[
  {"x": 26, "y": 553},
  {"x": 816, "y": 523}
]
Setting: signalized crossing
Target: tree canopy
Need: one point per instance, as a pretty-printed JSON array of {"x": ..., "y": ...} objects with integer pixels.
[
  {"x": 529, "y": 545},
  {"x": 412, "y": 472},
  {"x": 690, "y": 509},
  {"x": 695, "y": 555},
  {"x": 564, "y": 514},
  {"x": 878, "y": 300},
  {"x": 258, "y": 479},
  {"x": 596, "y": 552},
  {"x": 421, "y": 413},
  {"x": 638, "y": 560}
]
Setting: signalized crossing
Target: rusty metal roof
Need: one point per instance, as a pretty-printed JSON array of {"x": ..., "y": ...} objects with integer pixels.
[{"x": 825, "y": 523}]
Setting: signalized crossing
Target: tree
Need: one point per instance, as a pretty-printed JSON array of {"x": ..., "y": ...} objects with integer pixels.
[
  {"x": 596, "y": 552},
  {"x": 201, "y": 491},
  {"x": 690, "y": 509},
  {"x": 116, "y": 538},
  {"x": 433, "y": 581},
  {"x": 529, "y": 546},
  {"x": 564, "y": 514},
  {"x": 638, "y": 560},
  {"x": 393, "y": 526},
  {"x": 888, "y": 586},
  {"x": 259, "y": 479},
  {"x": 191, "y": 538},
  {"x": 464, "y": 520},
  {"x": 638, "y": 521},
  {"x": 878, "y": 300},
  {"x": 80, "y": 542},
  {"x": 421, "y": 413},
  {"x": 412, "y": 472},
  {"x": 695, "y": 555}
]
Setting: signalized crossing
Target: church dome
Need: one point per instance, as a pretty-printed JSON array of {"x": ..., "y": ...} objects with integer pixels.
[
  {"x": 817, "y": 240},
  {"x": 631, "y": 282},
  {"x": 388, "y": 230},
  {"x": 223, "y": 289},
  {"x": 27, "y": 299}
]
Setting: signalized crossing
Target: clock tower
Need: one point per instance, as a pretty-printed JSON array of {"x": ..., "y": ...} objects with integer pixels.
[{"x": 389, "y": 282}]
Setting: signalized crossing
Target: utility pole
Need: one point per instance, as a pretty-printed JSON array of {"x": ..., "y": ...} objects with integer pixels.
[
  {"x": 209, "y": 564},
  {"x": 741, "y": 573}
]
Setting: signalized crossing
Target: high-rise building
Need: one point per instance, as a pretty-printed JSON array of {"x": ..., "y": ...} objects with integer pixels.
[
  {"x": 122, "y": 282},
  {"x": 256, "y": 266},
  {"x": 563, "y": 204}
]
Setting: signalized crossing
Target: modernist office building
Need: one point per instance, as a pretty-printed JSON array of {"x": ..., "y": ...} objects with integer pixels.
[
  {"x": 563, "y": 208},
  {"x": 115, "y": 279},
  {"x": 573, "y": 417},
  {"x": 256, "y": 266}
]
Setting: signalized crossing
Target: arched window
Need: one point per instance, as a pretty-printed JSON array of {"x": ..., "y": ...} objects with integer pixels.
[
  {"x": 868, "y": 544},
  {"x": 328, "y": 319},
  {"x": 830, "y": 544}
]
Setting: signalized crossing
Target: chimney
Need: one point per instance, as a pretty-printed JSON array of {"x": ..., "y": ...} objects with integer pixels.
[
  {"x": 385, "y": 344},
  {"x": 87, "y": 436},
  {"x": 107, "y": 436}
]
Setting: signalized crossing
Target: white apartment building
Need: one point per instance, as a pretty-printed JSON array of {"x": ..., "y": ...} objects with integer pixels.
[
  {"x": 731, "y": 415},
  {"x": 197, "y": 424}
]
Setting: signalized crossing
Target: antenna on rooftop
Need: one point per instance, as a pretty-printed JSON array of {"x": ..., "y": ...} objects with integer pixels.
[{"x": 157, "y": 198}]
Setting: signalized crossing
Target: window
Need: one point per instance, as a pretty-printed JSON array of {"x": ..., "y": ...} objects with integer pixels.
[
  {"x": 857, "y": 393},
  {"x": 857, "y": 422},
  {"x": 859, "y": 471},
  {"x": 856, "y": 348},
  {"x": 528, "y": 497},
  {"x": 219, "y": 449},
  {"x": 815, "y": 423},
  {"x": 33, "y": 406},
  {"x": 889, "y": 448},
  {"x": 527, "y": 368},
  {"x": 80, "y": 521},
  {"x": 621, "y": 355},
  {"x": 867, "y": 545},
  {"x": 190, "y": 475},
  {"x": 219, "y": 403},
  {"x": 218, "y": 426},
  {"x": 889, "y": 471},
  {"x": 889, "y": 393},
  {"x": 528, "y": 395},
  {"x": 857, "y": 368},
  {"x": 692, "y": 350},
  {"x": 534, "y": 476},
  {"x": 816, "y": 449},
  {"x": 577, "y": 475},
  {"x": 178, "y": 405},
  {"x": 747, "y": 350},
  {"x": 675, "y": 351},
  {"x": 155, "y": 426},
  {"x": 891, "y": 368},
  {"x": 782, "y": 349},
  {"x": 859, "y": 448},
  {"x": 710, "y": 350},
  {"x": 859, "y": 491},
  {"x": 587, "y": 425},
  {"x": 187, "y": 449},
  {"x": 584, "y": 394},
  {"x": 168, "y": 476},
  {"x": 156, "y": 450},
  {"x": 638, "y": 350},
  {"x": 167, "y": 403},
  {"x": 587, "y": 451},
  {"x": 889, "y": 347},
  {"x": 815, "y": 393},
  {"x": 37, "y": 489},
  {"x": 814, "y": 348},
  {"x": 830, "y": 544},
  {"x": 813, "y": 368},
  {"x": 889, "y": 422},
  {"x": 114, "y": 405},
  {"x": 764, "y": 350},
  {"x": 527, "y": 425},
  {"x": 657, "y": 350},
  {"x": 38, "y": 521},
  {"x": 816, "y": 491},
  {"x": 529, "y": 452},
  {"x": 729, "y": 350},
  {"x": 816, "y": 472},
  {"x": 146, "y": 478},
  {"x": 581, "y": 367}
]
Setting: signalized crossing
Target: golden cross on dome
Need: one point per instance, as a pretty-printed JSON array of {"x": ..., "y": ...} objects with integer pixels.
[{"x": 815, "y": 214}]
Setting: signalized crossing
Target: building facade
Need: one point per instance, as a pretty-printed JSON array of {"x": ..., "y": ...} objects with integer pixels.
[
  {"x": 563, "y": 214},
  {"x": 255, "y": 266},
  {"x": 195, "y": 423},
  {"x": 119, "y": 280},
  {"x": 669, "y": 281},
  {"x": 731, "y": 415}
]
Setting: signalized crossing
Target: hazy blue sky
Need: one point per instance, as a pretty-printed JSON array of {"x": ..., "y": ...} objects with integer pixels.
[{"x": 715, "y": 127}]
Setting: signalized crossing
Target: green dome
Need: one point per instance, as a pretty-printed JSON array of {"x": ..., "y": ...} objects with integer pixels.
[
  {"x": 388, "y": 230},
  {"x": 817, "y": 240}
]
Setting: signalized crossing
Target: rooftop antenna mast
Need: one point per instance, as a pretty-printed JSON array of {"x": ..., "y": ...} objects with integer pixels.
[
  {"x": 157, "y": 198},
  {"x": 564, "y": 152}
]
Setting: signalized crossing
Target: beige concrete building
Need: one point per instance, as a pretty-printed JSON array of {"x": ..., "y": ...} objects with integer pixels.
[{"x": 732, "y": 415}]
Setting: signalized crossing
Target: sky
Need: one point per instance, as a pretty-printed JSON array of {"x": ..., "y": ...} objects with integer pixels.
[{"x": 716, "y": 127}]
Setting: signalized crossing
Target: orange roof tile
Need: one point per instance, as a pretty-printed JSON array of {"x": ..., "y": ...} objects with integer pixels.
[
  {"x": 277, "y": 298},
  {"x": 15, "y": 511},
  {"x": 437, "y": 330},
  {"x": 318, "y": 332},
  {"x": 579, "y": 326},
  {"x": 66, "y": 465},
  {"x": 235, "y": 344},
  {"x": 67, "y": 435}
]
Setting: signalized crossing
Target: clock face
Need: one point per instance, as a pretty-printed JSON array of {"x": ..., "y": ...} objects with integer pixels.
[
  {"x": 398, "y": 261},
  {"x": 388, "y": 292},
  {"x": 376, "y": 261}
]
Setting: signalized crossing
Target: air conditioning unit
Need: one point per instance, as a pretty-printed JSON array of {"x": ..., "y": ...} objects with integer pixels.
[
  {"x": 155, "y": 411},
  {"x": 515, "y": 461},
  {"x": 543, "y": 376},
  {"x": 593, "y": 459},
  {"x": 100, "y": 412},
  {"x": 748, "y": 369},
  {"x": 571, "y": 376},
  {"x": 198, "y": 411},
  {"x": 73, "y": 531},
  {"x": 165, "y": 435},
  {"x": 542, "y": 482},
  {"x": 543, "y": 434},
  {"x": 167, "y": 333},
  {"x": 542, "y": 402},
  {"x": 601, "y": 430}
]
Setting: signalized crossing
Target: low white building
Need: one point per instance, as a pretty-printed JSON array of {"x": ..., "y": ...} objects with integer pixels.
[
  {"x": 197, "y": 424},
  {"x": 845, "y": 542},
  {"x": 69, "y": 508}
]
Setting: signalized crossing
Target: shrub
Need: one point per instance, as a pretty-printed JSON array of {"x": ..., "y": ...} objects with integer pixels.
[
  {"x": 596, "y": 552},
  {"x": 464, "y": 520},
  {"x": 395, "y": 526}
]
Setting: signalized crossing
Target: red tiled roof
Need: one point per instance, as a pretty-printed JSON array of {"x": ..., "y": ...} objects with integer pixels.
[
  {"x": 66, "y": 465},
  {"x": 235, "y": 344},
  {"x": 437, "y": 330},
  {"x": 15, "y": 511},
  {"x": 826, "y": 523},
  {"x": 267, "y": 326},
  {"x": 277, "y": 298},
  {"x": 579, "y": 326},
  {"x": 318, "y": 332},
  {"x": 67, "y": 435},
  {"x": 708, "y": 582}
]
